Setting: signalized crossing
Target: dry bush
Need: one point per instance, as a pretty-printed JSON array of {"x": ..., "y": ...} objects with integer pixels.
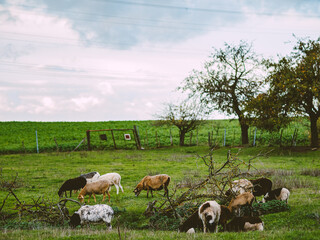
[
  {"x": 292, "y": 183},
  {"x": 310, "y": 172}
]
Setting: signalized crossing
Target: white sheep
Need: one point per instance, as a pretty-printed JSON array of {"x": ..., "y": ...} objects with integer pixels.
[
  {"x": 92, "y": 213},
  {"x": 113, "y": 179}
]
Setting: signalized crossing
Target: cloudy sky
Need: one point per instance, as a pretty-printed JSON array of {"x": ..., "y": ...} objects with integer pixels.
[{"x": 100, "y": 60}]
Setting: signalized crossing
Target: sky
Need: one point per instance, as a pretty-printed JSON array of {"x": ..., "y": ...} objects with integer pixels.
[{"x": 102, "y": 60}]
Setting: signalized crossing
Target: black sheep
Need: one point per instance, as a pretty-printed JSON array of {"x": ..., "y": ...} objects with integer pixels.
[
  {"x": 72, "y": 184},
  {"x": 261, "y": 186},
  {"x": 239, "y": 224},
  {"x": 192, "y": 222}
]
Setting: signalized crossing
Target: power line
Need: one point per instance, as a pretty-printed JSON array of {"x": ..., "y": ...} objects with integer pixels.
[{"x": 205, "y": 9}]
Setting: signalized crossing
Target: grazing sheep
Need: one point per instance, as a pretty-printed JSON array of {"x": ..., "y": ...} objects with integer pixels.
[
  {"x": 281, "y": 194},
  {"x": 261, "y": 186},
  {"x": 98, "y": 187},
  {"x": 191, "y": 231},
  {"x": 92, "y": 213},
  {"x": 240, "y": 186},
  {"x": 157, "y": 182},
  {"x": 225, "y": 215},
  {"x": 244, "y": 199},
  {"x": 113, "y": 179},
  {"x": 91, "y": 176},
  {"x": 192, "y": 222},
  {"x": 209, "y": 213},
  {"x": 72, "y": 184},
  {"x": 239, "y": 224}
]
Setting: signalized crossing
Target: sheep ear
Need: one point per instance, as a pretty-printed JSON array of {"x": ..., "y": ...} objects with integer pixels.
[{"x": 204, "y": 207}]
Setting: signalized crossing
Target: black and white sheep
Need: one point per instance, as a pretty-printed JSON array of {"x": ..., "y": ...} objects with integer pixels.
[
  {"x": 246, "y": 223},
  {"x": 209, "y": 212},
  {"x": 261, "y": 186},
  {"x": 91, "y": 176},
  {"x": 72, "y": 184},
  {"x": 281, "y": 194},
  {"x": 92, "y": 213}
]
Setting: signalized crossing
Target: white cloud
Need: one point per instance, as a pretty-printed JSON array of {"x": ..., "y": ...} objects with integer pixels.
[
  {"x": 124, "y": 70},
  {"x": 82, "y": 104}
]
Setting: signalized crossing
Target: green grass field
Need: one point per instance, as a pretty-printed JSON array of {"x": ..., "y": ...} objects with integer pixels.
[
  {"x": 41, "y": 175},
  {"x": 20, "y": 137}
]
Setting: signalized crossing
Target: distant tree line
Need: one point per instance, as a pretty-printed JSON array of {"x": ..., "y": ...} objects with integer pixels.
[{"x": 261, "y": 92}]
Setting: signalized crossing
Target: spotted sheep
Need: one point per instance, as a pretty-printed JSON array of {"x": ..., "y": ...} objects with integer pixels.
[
  {"x": 113, "y": 179},
  {"x": 150, "y": 183},
  {"x": 281, "y": 194},
  {"x": 240, "y": 186},
  {"x": 92, "y": 213}
]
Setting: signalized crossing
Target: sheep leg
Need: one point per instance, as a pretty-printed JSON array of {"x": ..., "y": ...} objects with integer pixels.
[
  {"x": 204, "y": 226},
  {"x": 108, "y": 196},
  {"x": 117, "y": 187},
  {"x": 166, "y": 191},
  {"x": 94, "y": 196},
  {"x": 70, "y": 192},
  {"x": 104, "y": 196},
  {"x": 89, "y": 198},
  {"x": 121, "y": 187}
]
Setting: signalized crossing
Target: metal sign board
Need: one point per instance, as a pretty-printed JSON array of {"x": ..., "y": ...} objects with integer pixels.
[{"x": 127, "y": 137}]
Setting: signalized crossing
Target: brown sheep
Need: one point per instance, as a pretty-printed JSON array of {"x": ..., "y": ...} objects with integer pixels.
[
  {"x": 98, "y": 187},
  {"x": 244, "y": 199},
  {"x": 157, "y": 182}
]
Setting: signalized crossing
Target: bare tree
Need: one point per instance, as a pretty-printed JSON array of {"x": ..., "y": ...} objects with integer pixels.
[{"x": 186, "y": 116}]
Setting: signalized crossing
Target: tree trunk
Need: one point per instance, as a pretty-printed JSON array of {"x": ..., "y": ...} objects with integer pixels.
[
  {"x": 314, "y": 131},
  {"x": 244, "y": 133},
  {"x": 182, "y": 135}
]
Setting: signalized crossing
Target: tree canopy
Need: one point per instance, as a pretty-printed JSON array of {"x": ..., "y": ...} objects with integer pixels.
[{"x": 230, "y": 78}]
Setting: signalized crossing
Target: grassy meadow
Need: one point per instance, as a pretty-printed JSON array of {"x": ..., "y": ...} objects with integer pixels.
[
  {"x": 41, "y": 175},
  {"x": 20, "y": 137}
]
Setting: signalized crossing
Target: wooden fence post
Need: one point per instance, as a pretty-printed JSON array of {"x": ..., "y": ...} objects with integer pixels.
[
  {"x": 137, "y": 137},
  {"x": 114, "y": 141},
  {"x": 88, "y": 140}
]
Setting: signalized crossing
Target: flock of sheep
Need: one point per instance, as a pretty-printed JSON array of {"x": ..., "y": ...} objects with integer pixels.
[
  {"x": 92, "y": 183},
  {"x": 209, "y": 215}
]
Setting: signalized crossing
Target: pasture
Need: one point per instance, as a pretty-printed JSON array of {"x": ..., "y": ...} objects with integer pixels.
[
  {"x": 20, "y": 137},
  {"x": 41, "y": 175}
]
